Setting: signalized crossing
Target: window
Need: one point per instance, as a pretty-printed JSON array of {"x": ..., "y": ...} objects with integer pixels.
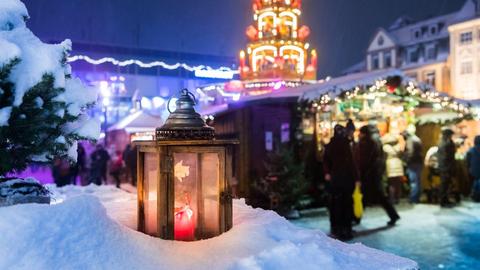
[
  {"x": 430, "y": 78},
  {"x": 380, "y": 41},
  {"x": 416, "y": 34},
  {"x": 412, "y": 55},
  {"x": 431, "y": 52},
  {"x": 424, "y": 30},
  {"x": 388, "y": 60},
  {"x": 412, "y": 75},
  {"x": 375, "y": 62},
  {"x": 466, "y": 68},
  {"x": 433, "y": 30},
  {"x": 466, "y": 38}
]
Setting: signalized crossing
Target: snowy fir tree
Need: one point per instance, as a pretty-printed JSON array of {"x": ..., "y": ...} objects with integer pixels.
[{"x": 42, "y": 108}]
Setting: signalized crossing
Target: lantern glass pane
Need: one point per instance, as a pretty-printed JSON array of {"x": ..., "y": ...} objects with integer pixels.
[
  {"x": 210, "y": 173},
  {"x": 150, "y": 173},
  {"x": 185, "y": 204}
]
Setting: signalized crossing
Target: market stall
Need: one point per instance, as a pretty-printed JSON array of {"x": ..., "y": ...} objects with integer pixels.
[
  {"x": 138, "y": 126},
  {"x": 392, "y": 102},
  {"x": 387, "y": 99}
]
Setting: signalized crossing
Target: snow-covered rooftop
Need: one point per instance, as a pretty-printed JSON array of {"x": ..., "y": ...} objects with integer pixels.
[
  {"x": 402, "y": 32},
  {"x": 348, "y": 82},
  {"x": 139, "y": 121}
]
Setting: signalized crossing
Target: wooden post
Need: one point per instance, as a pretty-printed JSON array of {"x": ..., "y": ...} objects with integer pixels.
[{"x": 140, "y": 192}]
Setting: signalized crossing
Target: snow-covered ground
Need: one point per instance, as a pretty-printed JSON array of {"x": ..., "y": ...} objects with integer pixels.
[
  {"x": 436, "y": 238},
  {"x": 94, "y": 228}
]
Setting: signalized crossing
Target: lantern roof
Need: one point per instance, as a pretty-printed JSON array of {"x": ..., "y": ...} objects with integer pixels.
[{"x": 185, "y": 123}]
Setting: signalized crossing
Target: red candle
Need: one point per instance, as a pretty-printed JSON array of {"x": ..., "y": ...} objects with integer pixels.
[{"x": 184, "y": 224}]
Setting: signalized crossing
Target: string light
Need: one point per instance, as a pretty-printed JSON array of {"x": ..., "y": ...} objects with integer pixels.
[
  {"x": 429, "y": 96},
  {"x": 153, "y": 64}
]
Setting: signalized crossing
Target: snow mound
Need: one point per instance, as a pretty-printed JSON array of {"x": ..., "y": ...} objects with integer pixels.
[
  {"x": 81, "y": 232},
  {"x": 16, "y": 191}
]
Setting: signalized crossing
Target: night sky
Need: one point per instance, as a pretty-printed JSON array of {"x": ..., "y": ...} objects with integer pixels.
[{"x": 341, "y": 29}]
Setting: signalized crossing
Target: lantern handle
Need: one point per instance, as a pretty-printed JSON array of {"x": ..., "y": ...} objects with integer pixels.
[
  {"x": 187, "y": 93},
  {"x": 191, "y": 95},
  {"x": 168, "y": 105}
]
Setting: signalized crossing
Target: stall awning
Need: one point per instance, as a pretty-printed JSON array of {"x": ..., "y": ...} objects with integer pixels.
[
  {"x": 139, "y": 121},
  {"x": 347, "y": 82}
]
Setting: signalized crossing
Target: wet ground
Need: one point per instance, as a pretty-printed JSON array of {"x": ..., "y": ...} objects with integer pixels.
[{"x": 435, "y": 237}]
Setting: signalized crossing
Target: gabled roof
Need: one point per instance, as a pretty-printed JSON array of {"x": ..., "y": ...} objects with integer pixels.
[
  {"x": 389, "y": 40},
  {"x": 403, "y": 28}
]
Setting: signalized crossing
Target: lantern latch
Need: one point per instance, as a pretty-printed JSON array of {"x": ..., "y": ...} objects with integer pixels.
[{"x": 226, "y": 196}]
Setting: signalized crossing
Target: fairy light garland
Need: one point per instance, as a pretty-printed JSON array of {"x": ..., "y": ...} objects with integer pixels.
[
  {"x": 412, "y": 89},
  {"x": 153, "y": 64}
]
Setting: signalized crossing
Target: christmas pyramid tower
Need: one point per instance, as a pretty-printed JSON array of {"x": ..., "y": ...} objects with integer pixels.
[{"x": 278, "y": 47}]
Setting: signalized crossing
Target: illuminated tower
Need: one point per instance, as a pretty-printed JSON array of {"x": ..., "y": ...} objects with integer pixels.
[{"x": 277, "y": 47}]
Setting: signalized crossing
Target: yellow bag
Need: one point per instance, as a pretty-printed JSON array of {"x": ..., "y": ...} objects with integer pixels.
[{"x": 357, "y": 202}]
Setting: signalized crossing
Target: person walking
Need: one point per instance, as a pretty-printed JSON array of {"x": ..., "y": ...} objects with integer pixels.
[
  {"x": 78, "y": 168},
  {"x": 61, "y": 172},
  {"x": 446, "y": 165},
  {"x": 341, "y": 172},
  {"x": 116, "y": 167},
  {"x": 394, "y": 167},
  {"x": 413, "y": 158},
  {"x": 99, "y": 160},
  {"x": 473, "y": 165},
  {"x": 130, "y": 159},
  {"x": 370, "y": 160}
]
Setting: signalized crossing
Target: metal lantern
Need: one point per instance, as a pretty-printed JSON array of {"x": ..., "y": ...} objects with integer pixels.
[{"x": 183, "y": 178}]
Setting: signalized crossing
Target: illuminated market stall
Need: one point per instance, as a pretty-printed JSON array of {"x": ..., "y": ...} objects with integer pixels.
[{"x": 387, "y": 99}]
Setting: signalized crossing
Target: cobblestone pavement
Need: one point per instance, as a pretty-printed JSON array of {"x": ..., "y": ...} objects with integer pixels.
[{"x": 435, "y": 237}]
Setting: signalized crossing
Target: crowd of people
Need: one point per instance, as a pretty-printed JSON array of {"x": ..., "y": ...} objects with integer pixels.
[
  {"x": 95, "y": 168},
  {"x": 373, "y": 160}
]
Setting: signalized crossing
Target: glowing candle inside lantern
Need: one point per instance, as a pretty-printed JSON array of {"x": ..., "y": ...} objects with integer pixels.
[{"x": 184, "y": 224}]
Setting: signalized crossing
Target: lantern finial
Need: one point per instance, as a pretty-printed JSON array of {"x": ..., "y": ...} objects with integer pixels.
[{"x": 185, "y": 123}]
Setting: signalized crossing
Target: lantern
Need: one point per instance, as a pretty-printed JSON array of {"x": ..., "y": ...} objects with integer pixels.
[{"x": 183, "y": 178}]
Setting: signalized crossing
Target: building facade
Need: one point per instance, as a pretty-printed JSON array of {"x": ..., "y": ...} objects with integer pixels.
[
  {"x": 422, "y": 49},
  {"x": 465, "y": 59}
]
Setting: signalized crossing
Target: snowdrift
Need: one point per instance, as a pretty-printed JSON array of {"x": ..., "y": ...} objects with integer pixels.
[{"x": 91, "y": 228}]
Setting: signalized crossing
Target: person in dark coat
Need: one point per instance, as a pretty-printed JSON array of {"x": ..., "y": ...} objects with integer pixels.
[
  {"x": 116, "y": 167},
  {"x": 370, "y": 160},
  {"x": 79, "y": 167},
  {"x": 98, "y": 168},
  {"x": 341, "y": 172},
  {"x": 130, "y": 159},
  {"x": 61, "y": 172},
  {"x": 473, "y": 165},
  {"x": 414, "y": 161},
  {"x": 446, "y": 165}
]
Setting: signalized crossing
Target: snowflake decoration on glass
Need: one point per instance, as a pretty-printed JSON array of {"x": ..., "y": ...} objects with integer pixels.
[{"x": 181, "y": 171}]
